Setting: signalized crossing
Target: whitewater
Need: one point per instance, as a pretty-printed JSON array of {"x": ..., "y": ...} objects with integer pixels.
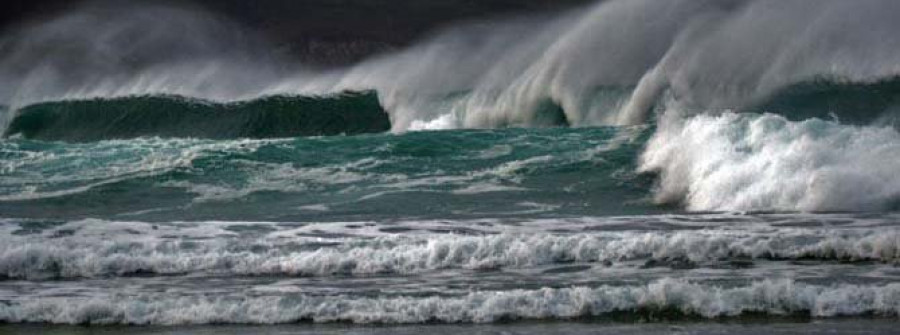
[{"x": 632, "y": 160}]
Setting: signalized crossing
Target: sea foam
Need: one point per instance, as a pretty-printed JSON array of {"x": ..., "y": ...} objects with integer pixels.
[
  {"x": 765, "y": 162},
  {"x": 666, "y": 298},
  {"x": 102, "y": 256}
]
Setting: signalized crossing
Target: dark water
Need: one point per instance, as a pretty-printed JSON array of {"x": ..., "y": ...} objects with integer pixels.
[
  {"x": 172, "y": 116},
  {"x": 449, "y": 174}
]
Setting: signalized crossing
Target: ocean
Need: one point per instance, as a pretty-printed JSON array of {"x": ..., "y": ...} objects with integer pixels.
[{"x": 628, "y": 167}]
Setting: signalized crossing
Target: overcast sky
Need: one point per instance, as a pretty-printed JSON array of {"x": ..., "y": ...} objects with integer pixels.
[{"x": 298, "y": 24}]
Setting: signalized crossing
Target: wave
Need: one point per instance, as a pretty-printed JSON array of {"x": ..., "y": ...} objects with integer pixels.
[
  {"x": 470, "y": 173},
  {"x": 76, "y": 256},
  {"x": 356, "y": 113},
  {"x": 842, "y": 100},
  {"x": 511, "y": 68},
  {"x": 766, "y": 162},
  {"x": 597, "y": 65},
  {"x": 695, "y": 53},
  {"x": 172, "y": 116},
  {"x": 660, "y": 300},
  {"x": 707, "y": 162}
]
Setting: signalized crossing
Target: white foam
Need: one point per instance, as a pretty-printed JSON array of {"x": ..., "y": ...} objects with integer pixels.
[
  {"x": 479, "y": 188},
  {"x": 446, "y": 121},
  {"x": 765, "y": 162},
  {"x": 122, "y": 248},
  {"x": 315, "y": 208},
  {"x": 773, "y": 297}
]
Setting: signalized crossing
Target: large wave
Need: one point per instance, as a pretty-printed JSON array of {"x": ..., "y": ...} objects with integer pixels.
[{"x": 709, "y": 55}]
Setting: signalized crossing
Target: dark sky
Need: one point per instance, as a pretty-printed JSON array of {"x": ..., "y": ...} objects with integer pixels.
[{"x": 306, "y": 26}]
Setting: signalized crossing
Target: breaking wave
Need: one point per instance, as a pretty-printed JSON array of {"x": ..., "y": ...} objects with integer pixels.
[
  {"x": 598, "y": 65},
  {"x": 765, "y": 162},
  {"x": 663, "y": 299},
  {"x": 76, "y": 256}
]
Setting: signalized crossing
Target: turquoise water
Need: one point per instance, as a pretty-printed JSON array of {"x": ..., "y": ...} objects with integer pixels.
[{"x": 445, "y": 174}]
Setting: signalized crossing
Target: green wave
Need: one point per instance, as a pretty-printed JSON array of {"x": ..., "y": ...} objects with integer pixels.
[{"x": 175, "y": 116}]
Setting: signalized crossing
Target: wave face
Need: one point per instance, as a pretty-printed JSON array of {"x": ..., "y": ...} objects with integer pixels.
[
  {"x": 765, "y": 162},
  {"x": 847, "y": 103},
  {"x": 697, "y": 52},
  {"x": 168, "y": 116}
]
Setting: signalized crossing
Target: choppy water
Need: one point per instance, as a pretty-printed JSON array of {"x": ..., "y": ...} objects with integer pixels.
[
  {"x": 681, "y": 178},
  {"x": 450, "y": 174},
  {"x": 449, "y": 226}
]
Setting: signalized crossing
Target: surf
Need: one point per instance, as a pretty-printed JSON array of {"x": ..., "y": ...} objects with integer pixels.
[{"x": 648, "y": 160}]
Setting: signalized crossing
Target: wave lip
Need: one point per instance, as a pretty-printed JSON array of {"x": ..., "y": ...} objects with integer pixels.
[{"x": 175, "y": 116}]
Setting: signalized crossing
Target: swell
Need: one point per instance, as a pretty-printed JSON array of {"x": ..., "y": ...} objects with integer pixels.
[
  {"x": 361, "y": 112},
  {"x": 660, "y": 300},
  {"x": 173, "y": 116}
]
